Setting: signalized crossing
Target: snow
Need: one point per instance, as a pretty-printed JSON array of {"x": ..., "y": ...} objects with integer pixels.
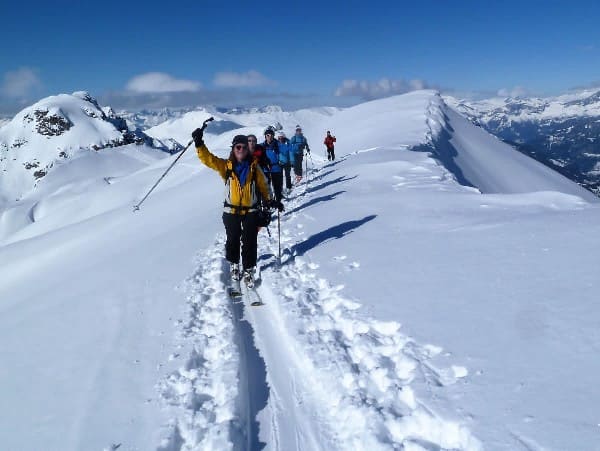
[
  {"x": 409, "y": 312},
  {"x": 43, "y": 136},
  {"x": 485, "y": 161}
]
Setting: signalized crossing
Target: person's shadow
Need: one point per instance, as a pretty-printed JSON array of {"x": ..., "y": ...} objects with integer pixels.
[
  {"x": 313, "y": 201},
  {"x": 332, "y": 233}
]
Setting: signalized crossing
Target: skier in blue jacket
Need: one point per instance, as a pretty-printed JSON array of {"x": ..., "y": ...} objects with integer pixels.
[
  {"x": 300, "y": 144},
  {"x": 287, "y": 158},
  {"x": 274, "y": 174}
]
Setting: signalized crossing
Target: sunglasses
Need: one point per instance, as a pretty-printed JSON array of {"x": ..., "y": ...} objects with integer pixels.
[
  {"x": 240, "y": 146},
  {"x": 252, "y": 140}
]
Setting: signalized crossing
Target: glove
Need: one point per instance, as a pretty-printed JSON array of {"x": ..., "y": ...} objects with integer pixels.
[
  {"x": 197, "y": 135},
  {"x": 276, "y": 204}
]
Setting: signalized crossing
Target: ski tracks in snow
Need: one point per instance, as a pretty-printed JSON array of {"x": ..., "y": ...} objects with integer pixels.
[
  {"x": 203, "y": 393},
  {"x": 306, "y": 371}
]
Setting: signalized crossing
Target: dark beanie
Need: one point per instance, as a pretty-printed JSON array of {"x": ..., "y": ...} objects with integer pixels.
[{"x": 239, "y": 139}]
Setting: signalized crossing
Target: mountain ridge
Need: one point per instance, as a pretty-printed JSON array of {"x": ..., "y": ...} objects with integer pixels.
[{"x": 561, "y": 132}]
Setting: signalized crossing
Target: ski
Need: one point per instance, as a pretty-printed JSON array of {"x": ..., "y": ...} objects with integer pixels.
[
  {"x": 234, "y": 294},
  {"x": 235, "y": 291},
  {"x": 253, "y": 297}
]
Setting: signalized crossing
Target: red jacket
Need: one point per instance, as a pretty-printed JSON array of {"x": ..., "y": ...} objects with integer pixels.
[
  {"x": 329, "y": 140},
  {"x": 260, "y": 157}
]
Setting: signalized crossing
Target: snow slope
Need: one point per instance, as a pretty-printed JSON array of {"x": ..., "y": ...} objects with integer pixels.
[
  {"x": 410, "y": 311},
  {"x": 479, "y": 159}
]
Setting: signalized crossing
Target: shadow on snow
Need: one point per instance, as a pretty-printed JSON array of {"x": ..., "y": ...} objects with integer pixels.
[
  {"x": 332, "y": 233},
  {"x": 320, "y": 186},
  {"x": 254, "y": 389},
  {"x": 313, "y": 201}
]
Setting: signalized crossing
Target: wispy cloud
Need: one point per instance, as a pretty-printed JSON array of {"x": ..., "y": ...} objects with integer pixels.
[
  {"x": 227, "y": 97},
  {"x": 20, "y": 83},
  {"x": 251, "y": 78},
  {"x": 385, "y": 87},
  {"x": 517, "y": 91},
  {"x": 588, "y": 47},
  {"x": 160, "y": 82}
]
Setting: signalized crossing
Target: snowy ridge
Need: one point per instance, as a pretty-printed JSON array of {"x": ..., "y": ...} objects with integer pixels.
[
  {"x": 560, "y": 132},
  {"x": 336, "y": 379},
  {"x": 478, "y": 159}
]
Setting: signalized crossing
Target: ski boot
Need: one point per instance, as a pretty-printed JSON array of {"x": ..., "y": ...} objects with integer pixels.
[
  {"x": 248, "y": 276},
  {"x": 235, "y": 272}
]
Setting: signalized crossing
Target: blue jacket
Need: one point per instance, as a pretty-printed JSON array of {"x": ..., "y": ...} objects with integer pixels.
[
  {"x": 272, "y": 153},
  {"x": 300, "y": 143},
  {"x": 287, "y": 153}
]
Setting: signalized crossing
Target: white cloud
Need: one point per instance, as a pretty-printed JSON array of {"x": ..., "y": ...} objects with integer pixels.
[
  {"x": 241, "y": 79},
  {"x": 155, "y": 82},
  {"x": 517, "y": 91},
  {"x": 383, "y": 88},
  {"x": 20, "y": 83}
]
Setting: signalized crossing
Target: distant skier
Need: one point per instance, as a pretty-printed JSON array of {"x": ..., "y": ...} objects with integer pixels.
[
  {"x": 300, "y": 144},
  {"x": 287, "y": 157},
  {"x": 329, "y": 140},
  {"x": 243, "y": 179},
  {"x": 258, "y": 153},
  {"x": 274, "y": 170}
]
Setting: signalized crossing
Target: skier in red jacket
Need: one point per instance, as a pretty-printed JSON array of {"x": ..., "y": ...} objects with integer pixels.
[{"x": 329, "y": 140}]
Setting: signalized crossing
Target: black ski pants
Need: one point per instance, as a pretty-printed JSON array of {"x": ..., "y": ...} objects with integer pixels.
[
  {"x": 298, "y": 165},
  {"x": 287, "y": 169},
  {"x": 242, "y": 228},
  {"x": 330, "y": 154},
  {"x": 277, "y": 183}
]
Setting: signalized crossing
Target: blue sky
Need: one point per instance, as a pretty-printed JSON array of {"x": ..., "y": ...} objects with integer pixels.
[{"x": 297, "y": 54}]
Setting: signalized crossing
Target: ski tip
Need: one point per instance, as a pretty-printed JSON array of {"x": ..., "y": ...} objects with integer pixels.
[{"x": 256, "y": 304}]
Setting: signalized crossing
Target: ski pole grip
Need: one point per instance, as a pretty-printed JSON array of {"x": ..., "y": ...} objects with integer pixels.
[{"x": 205, "y": 123}]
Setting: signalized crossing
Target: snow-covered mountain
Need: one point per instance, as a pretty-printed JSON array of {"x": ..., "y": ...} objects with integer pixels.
[
  {"x": 54, "y": 130},
  {"x": 240, "y": 120},
  {"x": 562, "y": 132},
  {"x": 427, "y": 298}
]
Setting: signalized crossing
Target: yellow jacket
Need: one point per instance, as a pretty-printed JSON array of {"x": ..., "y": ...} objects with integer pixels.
[{"x": 238, "y": 199}]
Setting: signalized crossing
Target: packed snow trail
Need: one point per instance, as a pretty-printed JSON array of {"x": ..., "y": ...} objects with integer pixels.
[{"x": 312, "y": 372}]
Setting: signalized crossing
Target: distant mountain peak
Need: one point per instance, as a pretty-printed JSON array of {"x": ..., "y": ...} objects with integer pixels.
[{"x": 53, "y": 130}]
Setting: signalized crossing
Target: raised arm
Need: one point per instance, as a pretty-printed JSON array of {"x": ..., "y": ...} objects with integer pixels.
[{"x": 211, "y": 160}]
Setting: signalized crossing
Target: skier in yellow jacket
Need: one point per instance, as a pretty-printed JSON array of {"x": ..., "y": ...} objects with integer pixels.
[{"x": 242, "y": 177}]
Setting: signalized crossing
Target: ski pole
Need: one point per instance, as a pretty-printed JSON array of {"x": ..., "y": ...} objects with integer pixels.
[
  {"x": 306, "y": 168},
  {"x": 279, "y": 236},
  {"x": 137, "y": 207}
]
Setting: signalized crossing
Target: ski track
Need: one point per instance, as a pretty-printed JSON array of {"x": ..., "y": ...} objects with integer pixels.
[
  {"x": 204, "y": 393},
  {"x": 306, "y": 371}
]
